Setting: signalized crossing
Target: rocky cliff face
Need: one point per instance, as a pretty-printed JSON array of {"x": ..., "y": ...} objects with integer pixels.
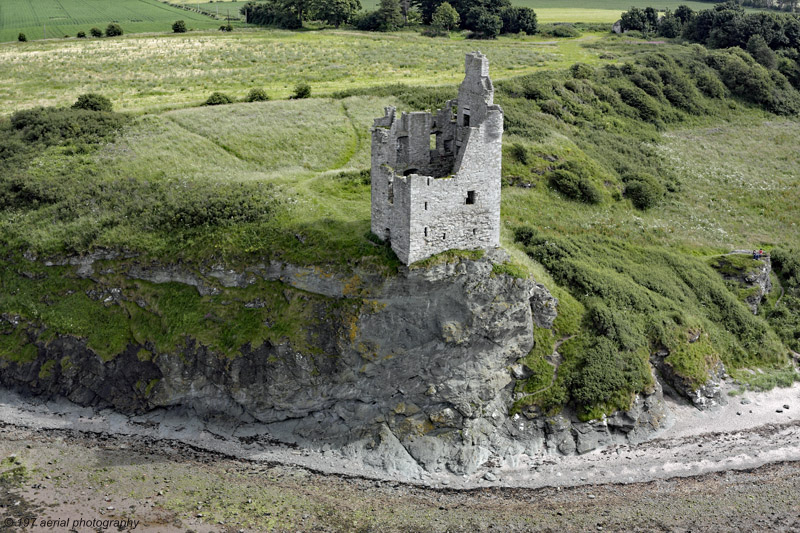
[{"x": 418, "y": 378}]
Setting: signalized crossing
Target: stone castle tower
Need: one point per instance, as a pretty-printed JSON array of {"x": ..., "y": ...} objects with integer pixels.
[{"x": 436, "y": 177}]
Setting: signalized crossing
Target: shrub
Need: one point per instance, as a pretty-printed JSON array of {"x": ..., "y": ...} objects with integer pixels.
[
  {"x": 757, "y": 47},
  {"x": 301, "y": 90},
  {"x": 81, "y": 35},
  {"x": 96, "y": 32},
  {"x": 367, "y": 21},
  {"x": 518, "y": 20},
  {"x": 218, "y": 98},
  {"x": 581, "y": 71},
  {"x": 575, "y": 187},
  {"x": 641, "y": 101},
  {"x": 257, "y": 95},
  {"x": 565, "y": 30},
  {"x": 643, "y": 190},
  {"x": 179, "y": 26},
  {"x": 93, "y": 102},
  {"x": 51, "y": 126},
  {"x": 22, "y": 38},
  {"x": 519, "y": 152},
  {"x": 226, "y": 27},
  {"x": 710, "y": 84},
  {"x": 113, "y": 30}
]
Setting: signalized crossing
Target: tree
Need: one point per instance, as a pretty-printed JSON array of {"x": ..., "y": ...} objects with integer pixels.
[
  {"x": 445, "y": 18},
  {"x": 757, "y": 47},
  {"x": 652, "y": 18},
  {"x": 518, "y": 19},
  {"x": 427, "y": 8},
  {"x": 286, "y": 14},
  {"x": 81, "y": 35},
  {"x": 670, "y": 26},
  {"x": 22, "y": 38},
  {"x": 179, "y": 26},
  {"x": 684, "y": 14},
  {"x": 634, "y": 19},
  {"x": 96, "y": 32},
  {"x": 390, "y": 15},
  {"x": 93, "y": 102},
  {"x": 113, "y": 30},
  {"x": 336, "y": 12}
]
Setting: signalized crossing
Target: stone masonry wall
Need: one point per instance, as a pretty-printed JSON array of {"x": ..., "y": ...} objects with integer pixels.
[{"x": 436, "y": 177}]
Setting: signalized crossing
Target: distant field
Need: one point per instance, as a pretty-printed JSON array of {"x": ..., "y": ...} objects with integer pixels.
[
  {"x": 173, "y": 70},
  {"x": 221, "y": 9},
  {"x": 67, "y": 17},
  {"x": 601, "y": 11}
]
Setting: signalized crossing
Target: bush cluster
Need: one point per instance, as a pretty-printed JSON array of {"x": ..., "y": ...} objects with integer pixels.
[
  {"x": 643, "y": 190},
  {"x": 218, "y": 98},
  {"x": 575, "y": 186},
  {"x": 257, "y": 95}
]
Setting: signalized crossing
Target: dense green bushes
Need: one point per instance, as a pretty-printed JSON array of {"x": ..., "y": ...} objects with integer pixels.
[
  {"x": 784, "y": 315},
  {"x": 574, "y": 186},
  {"x": 51, "y": 126},
  {"x": 638, "y": 299},
  {"x": 644, "y": 190},
  {"x": 93, "y": 102},
  {"x": 257, "y": 95},
  {"x": 113, "y": 30},
  {"x": 218, "y": 98}
]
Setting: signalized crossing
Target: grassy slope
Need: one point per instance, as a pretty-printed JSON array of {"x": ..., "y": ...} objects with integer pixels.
[
  {"x": 168, "y": 71},
  {"x": 67, "y": 17}
]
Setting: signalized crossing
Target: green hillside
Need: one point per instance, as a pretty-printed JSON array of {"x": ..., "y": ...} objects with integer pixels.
[
  {"x": 626, "y": 176},
  {"x": 55, "y": 19}
]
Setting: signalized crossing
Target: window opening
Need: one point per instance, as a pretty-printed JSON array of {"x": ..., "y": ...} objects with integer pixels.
[
  {"x": 474, "y": 231},
  {"x": 426, "y": 232},
  {"x": 429, "y": 181},
  {"x": 426, "y": 206},
  {"x": 444, "y": 236},
  {"x": 470, "y": 197},
  {"x": 466, "y": 120},
  {"x": 433, "y": 141},
  {"x": 391, "y": 192}
]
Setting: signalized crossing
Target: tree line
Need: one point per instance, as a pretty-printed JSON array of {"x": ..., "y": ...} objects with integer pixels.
[
  {"x": 772, "y": 39},
  {"x": 484, "y": 18}
]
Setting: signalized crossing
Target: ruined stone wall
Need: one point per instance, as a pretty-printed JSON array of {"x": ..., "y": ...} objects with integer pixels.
[{"x": 436, "y": 177}]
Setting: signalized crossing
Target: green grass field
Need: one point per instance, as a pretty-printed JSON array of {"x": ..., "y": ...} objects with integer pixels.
[
  {"x": 176, "y": 70},
  {"x": 67, "y": 17}
]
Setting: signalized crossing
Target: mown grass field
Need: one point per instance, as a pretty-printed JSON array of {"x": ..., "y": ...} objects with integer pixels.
[
  {"x": 67, "y": 17},
  {"x": 168, "y": 71}
]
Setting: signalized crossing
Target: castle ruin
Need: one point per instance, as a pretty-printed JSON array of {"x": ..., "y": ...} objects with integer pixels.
[{"x": 436, "y": 177}]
